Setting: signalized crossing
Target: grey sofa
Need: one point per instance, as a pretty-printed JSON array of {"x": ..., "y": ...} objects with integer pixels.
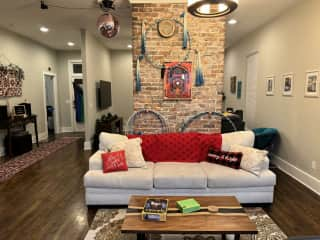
[{"x": 172, "y": 178}]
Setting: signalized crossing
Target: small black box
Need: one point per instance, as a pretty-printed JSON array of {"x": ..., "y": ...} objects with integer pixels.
[{"x": 21, "y": 142}]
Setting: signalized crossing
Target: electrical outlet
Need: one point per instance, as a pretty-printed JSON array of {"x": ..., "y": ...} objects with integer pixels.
[{"x": 314, "y": 165}]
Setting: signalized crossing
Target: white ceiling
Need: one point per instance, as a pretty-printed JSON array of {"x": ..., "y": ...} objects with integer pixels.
[
  {"x": 25, "y": 18},
  {"x": 252, "y": 14}
]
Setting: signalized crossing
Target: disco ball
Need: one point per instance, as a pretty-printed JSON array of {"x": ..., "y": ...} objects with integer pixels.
[{"x": 108, "y": 25}]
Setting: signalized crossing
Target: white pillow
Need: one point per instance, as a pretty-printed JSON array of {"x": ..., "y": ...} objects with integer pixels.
[
  {"x": 133, "y": 152},
  {"x": 106, "y": 140},
  {"x": 243, "y": 138},
  {"x": 253, "y": 160}
]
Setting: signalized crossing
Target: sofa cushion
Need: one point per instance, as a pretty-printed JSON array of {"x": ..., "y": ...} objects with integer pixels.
[
  {"x": 179, "y": 147},
  {"x": 114, "y": 161},
  {"x": 228, "y": 159},
  {"x": 134, "y": 178},
  {"x": 171, "y": 147},
  {"x": 224, "y": 177},
  {"x": 253, "y": 160},
  {"x": 150, "y": 146},
  {"x": 179, "y": 175},
  {"x": 106, "y": 140},
  {"x": 132, "y": 148},
  {"x": 209, "y": 141},
  {"x": 243, "y": 138}
]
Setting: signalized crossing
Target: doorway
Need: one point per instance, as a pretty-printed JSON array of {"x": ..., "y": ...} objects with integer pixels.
[
  {"x": 76, "y": 95},
  {"x": 51, "y": 104},
  {"x": 251, "y": 90}
]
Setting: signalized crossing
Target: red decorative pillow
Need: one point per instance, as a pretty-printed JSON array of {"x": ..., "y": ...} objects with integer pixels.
[
  {"x": 228, "y": 159},
  {"x": 114, "y": 161}
]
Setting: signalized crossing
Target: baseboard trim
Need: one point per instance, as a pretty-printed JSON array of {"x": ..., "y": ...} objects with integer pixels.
[
  {"x": 66, "y": 129},
  {"x": 301, "y": 176},
  {"x": 87, "y": 145}
]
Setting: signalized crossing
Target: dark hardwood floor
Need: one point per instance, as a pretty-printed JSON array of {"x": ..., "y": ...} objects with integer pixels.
[{"x": 46, "y": 201}]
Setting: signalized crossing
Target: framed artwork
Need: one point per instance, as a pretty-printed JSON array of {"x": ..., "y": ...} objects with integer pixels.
[
  {"x": 312, "y": 84},
  {"x": 239, "y": 89},
  {"x": 10, "y": 82},
  {"x": 177, "y": 81},
  {"x": 233, "y": 81},
  {"x": 287, "y": 84},
  {"x": 270, "y": 85}
]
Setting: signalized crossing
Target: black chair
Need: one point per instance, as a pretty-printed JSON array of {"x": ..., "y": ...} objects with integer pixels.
[{"x": 239, "y": 113}]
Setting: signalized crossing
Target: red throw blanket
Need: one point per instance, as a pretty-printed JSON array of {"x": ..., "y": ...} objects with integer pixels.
[{"x": 178, "y": 147}]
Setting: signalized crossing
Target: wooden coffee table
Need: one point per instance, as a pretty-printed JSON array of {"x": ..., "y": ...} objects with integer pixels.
[{"x": 230, "y": 219}]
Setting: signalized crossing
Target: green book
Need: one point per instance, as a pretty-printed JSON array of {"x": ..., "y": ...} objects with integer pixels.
[{"x": 188, "y": 205}]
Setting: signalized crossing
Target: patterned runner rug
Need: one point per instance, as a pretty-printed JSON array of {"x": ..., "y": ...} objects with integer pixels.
[
  {"x": 17, "y": 164},
  {"x": 107, "y": 224}
]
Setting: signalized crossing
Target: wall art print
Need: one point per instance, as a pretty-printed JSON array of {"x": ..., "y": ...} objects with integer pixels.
[
  {"x": 177, "y": 81},
  {"x": 239, "y": 89},
  {"x": 233, "y": 86},
  {"x": 270, "y": 82},
  {"x": 312, "y": 88},
  {"x": 287, "y": 84},
  {"x": 10, "y": 81}
]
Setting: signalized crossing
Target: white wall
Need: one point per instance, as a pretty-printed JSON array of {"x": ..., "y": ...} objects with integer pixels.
[
  {"x": 122, "y": 83},
  {"x": 99, "y": 64},
  {"x": 64, "y": 86},
  {"x": 96, "y": 61},
  {"x": 289, "y": 44},
  {"x": 34, "y": 59}
]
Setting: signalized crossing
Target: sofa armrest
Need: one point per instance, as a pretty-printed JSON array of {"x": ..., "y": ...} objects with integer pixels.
[
  {"x": 266, "y": 163},
  {"x": 95, "y": 161}
]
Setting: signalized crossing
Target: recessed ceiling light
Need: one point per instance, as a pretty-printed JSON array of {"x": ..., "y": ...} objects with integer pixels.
[
  {"x": 44, "y": 29},
  {"x": 232, "y": 21},
  {"x": 129, "y": 46},
  {"x": 71, "y": 44}
]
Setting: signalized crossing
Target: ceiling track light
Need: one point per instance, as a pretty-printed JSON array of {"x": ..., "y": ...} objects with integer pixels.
[
  {"x": 211, "y": 8},
  {"x": 43, "y": 6},
  {"x": 106, "y": 5}
]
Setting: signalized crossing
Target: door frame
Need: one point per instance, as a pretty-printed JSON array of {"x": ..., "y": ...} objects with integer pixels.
[
  {"x": 71, "y": 76},
  {"x": 56, "y": 102},
  {"x": 251, "y": 54}
]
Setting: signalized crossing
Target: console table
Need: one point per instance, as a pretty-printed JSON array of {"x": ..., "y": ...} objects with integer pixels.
[{"x": 18, "y": 122}]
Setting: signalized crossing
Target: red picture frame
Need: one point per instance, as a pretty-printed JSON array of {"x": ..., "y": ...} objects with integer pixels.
[{"x": 178, "y": 81}]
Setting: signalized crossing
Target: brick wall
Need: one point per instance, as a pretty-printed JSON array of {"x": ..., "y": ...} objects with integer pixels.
[{"x": 208, "y": 37}]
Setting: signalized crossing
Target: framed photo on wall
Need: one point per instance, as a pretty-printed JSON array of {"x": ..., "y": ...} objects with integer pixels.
[
  {"x": 239, "y": 89},
  {"x": 270, "y": 82},
  {"x": 312, "y": 84},
  {"x": 287, "y": 84},
  {"x": 177, "y": 81}
]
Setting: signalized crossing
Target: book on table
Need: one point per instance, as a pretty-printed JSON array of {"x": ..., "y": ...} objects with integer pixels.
[{"x": 188, "y": 205}]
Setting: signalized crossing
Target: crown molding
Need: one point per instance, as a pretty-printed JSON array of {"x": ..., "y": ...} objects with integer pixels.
[{"x": 159, "y": 1}]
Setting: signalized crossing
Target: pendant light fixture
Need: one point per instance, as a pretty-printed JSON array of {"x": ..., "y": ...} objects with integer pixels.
[{"x": 211, "y": 8}]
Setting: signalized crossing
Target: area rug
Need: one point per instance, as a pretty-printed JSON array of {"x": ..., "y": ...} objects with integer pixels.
[
  {"x": 17, "y": 164},
  {"x": 107, "y": 224}
]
